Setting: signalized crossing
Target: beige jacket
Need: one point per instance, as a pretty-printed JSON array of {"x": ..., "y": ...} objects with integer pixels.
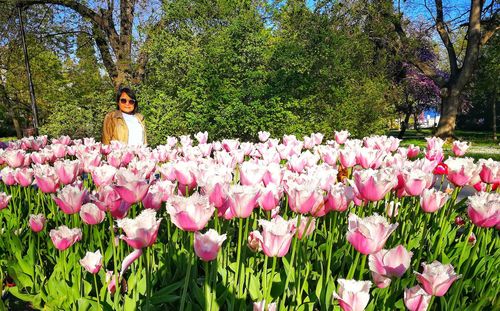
[{"x": 115, "y": 128}]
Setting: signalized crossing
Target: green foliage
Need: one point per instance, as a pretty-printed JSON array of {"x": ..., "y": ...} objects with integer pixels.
[
  {"x": 224, "y": 68},
  {"x": 484, "y": 90},
  {"x": 80, "y": 109}
]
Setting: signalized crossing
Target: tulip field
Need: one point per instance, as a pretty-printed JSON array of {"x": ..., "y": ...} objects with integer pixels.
[{"x": 276, "y": 224}]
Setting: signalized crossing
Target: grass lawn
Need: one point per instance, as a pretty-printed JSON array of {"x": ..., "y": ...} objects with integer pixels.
[{"x": 482, "y": 143}]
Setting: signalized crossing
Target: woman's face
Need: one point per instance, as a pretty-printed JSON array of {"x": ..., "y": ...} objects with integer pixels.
[{"x": 126, "y": 103}]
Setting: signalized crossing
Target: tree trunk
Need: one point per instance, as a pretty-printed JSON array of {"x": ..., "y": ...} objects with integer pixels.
[
  {"x": 494, "y": 112},
  {"x": 447, "y": 120},
  {"x": 17, "y": 127},
  {"x": 404, "y": 125}
]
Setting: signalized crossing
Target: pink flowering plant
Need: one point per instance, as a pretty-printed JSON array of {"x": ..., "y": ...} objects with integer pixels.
[{"x": 322, "y": 222}]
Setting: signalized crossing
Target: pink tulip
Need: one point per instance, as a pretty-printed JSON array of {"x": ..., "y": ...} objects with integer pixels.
[
  {"x": 432, "y": 200},
  {"x": 70, "y": 199},
  {"x": 490, "y": 171},
  {"x": 461, "y": 170},
  {"x": 416, "y": 299},
  {"x": 91, "y": 214},
  {"x": 215, "y": 183},
  {"x": 434, "y": 143},
  {"x": 261, "y": 306},
  {"x": 276, "y": 236},
  {"x": 153, "y": 198},
  {"x": 324, "y": 174},
  {"x": 339, "y": 197},
  {"x": 308, "y": 142},
  {"x": 305, "y": 222},
  {"x": 253, "y": 240},
  {"x": 274, "y": 174},
  {"x": 127, "y": 261},
  {"x": 437, "y": 278},
  {"x": 230, "y": 144},
  {"x": 186, "y": 140},
  {"x": 368, "y": 235},
  {"x": 37, "y": 222},
  {"x": 353, "y": 295},
  {"x": 412, "y": 151},
  {"x": 318, "y": 138},
  {"x": 341, "y": 137},
  {"x": 14, "y": 158},
  {"x": 103, "y": 175},
  {"x": 166, "y": 188},
  {"x": 205, "y": 149},
  {"x": 251, "y": 173},
  {"x": 89, "y": 160},
  {"x": 141, "y": 231},
  {"x": 242, "y": 200},
  {"x": 8, "y": 176},
  {"x": 4, "y": 200},
  {"x": 111, "y": 280},
  {"x": 416, "y": 180},
  {"x": 191, "y": 213},
  {"x": 131, "y": 187},
  {"x": 201, "y": 137},
  {"x": 385, "y": 264},
  {"x": 92, "y": 262},
  {"x": 46, "y": 178},
  {"x": 106, "y": 198},
  {"x": 186, "y": 174},
  {"x": 63, "y": 237},
  {"x": 264, "y": 136},
  {"x": 305, "y": 198},
  {"x": 270, "y": 197},
  {"x": 329, "y": 155},
  {"x": 460, "y": 147},
  {"x": 297, "y": 163},
  {"x": 347, "y": 157},
  {"x": 67, "y": 171},
  {"x": 484, "y": 209},
  {"x": 59, "y": 150},
  {"x": 373, "y": 185},
  {"x": 369, "y": 158},
  {"x": 142, "y": 167},
  {"x": 207, "y": 245},
  {"x": 24, "y": 176}
]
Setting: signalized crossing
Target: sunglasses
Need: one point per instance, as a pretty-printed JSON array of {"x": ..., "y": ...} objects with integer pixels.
[{"x": 130, "y": 101}]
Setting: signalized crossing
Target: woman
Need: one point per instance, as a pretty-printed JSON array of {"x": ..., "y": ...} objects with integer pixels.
[{"x": 124, "y": 124}]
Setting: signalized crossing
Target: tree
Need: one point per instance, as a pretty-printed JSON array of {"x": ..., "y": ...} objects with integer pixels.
[
  {"x": 114, "y": 45},
  {"x": 481, "y": 25},
  {"x": 484, "y": 91},
  {"x": 419, "y": 94}
]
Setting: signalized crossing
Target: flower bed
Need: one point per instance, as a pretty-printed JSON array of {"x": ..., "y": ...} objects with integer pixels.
[{"x": 275, "y": 225}]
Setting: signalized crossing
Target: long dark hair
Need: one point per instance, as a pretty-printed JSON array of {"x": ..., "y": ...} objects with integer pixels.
[{"x": 127, "y": 90}]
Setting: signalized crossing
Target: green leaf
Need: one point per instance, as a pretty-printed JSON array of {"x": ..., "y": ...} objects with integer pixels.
[
  {"x": 255, "y": 289},
  {"x": 319, "y": 287},
  {"x": 129, "y": 304}
]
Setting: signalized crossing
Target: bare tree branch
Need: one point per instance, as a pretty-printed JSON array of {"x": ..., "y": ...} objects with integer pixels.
[{"x": 445, "y": 37}]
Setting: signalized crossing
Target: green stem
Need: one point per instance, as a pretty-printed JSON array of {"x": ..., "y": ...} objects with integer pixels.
[
  {"x": 264, "y": 276},
  {"x": 238, "y": 257},
  {"x": 148, "y": 280},
  {"x": 362, "y": 267},
  {"x": 268, "y": 295},
  {"x": 352, "y": 269},
  {"x": 188, "y": 273},
  {"x": 208, "y": 294},
  {"x": 97, "y": 294}
]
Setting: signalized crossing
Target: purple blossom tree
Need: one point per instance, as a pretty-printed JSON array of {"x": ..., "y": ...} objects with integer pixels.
[{"x": 420, "y": 94}]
